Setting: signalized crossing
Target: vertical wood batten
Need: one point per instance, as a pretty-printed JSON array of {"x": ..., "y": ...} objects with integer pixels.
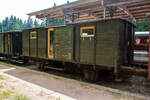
[
  {"x": 149, "y": 52},
  {"x": 148, "y": 15}
]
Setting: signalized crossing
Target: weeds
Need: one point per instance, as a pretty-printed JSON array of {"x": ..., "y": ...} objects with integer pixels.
[
  {"x": 41, "y": 93},
  {"x": 1, "y": 85},
  {"x": 83, "y": 84},
  {"x": 9, "y": 94},
  {"x": 2, "y": 77},
  {"x": 5, "y": 94},
  {"x": 57, "y": 78},
  {"x": 117, "y": 96},
  {"x": 59, "y": 98},
  {"x": 50, "y": 97},
  {"x": 21, "y": 97},
  {"x": 8, "y": 65}
]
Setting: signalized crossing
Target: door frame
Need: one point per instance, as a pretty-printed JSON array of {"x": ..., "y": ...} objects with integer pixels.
[
  {"x": 8, "y": 43},
  {"x": 48, "y": 49}
]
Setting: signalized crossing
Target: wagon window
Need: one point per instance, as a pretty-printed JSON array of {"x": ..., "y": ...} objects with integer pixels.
[
  {"x": 87, "y": 31},
  {"x": 33, "y": 35}
]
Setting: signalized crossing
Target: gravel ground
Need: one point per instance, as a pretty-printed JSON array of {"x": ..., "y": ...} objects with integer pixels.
[{"x": 70, "y": 87}]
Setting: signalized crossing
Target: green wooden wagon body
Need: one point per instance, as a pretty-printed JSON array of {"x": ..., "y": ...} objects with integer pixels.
[
  {"x": 11, "y": 43},
  {"x": 101, "y": 43},
  {"x": 1, "y": 43}
]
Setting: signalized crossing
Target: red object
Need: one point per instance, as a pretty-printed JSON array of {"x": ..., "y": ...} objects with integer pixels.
[
  {"x": 141, "y": 43},
  {"x": 149, "y": 56}
]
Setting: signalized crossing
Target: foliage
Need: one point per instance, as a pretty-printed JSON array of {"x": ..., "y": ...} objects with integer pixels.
[
  {"x": 142, "y": 26},
  {"x": 5, "y": 94},
  {"x": 6, "y": 64},
  {"x": 21, "y": 97},
  {"x": 14, "y": 23},
  {"x": 2, "y": 77}
]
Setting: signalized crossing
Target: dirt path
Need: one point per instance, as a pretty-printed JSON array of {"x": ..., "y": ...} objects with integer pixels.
[{"x": 71, "y": 88}]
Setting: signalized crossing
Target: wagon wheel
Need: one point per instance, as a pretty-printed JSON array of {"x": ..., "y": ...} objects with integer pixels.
[
  {"x": 41, "y": 66},
  {"x": 69, "y": 69},
  {"x": 25, "y": 61},
  {"x": 94, "y": 76},
  {"x": 91, "y": 75}
]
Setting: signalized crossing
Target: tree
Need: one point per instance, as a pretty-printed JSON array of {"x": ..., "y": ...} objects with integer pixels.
[
  {"x": 0, "y": 27},
  {"x": 43, "y": 24},
  {"x": 13, "y": 23},
  {"x": 36, "y": 24},
  {"x": 142, "y": 26}
]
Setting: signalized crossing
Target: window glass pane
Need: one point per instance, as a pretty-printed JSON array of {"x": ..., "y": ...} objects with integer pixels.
[
  {"x": 88, "y": 31},
  {"x": 33, "y": 35}
]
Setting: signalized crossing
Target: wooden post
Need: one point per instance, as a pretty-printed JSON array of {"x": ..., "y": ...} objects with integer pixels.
[
  {"x": 148, "y": 15},
  {"x": 64, "y": 19},
  {"x": 149, "y": 53},
  {"x": 102, "y": 4},
  {"x": 104, "y": 12}
]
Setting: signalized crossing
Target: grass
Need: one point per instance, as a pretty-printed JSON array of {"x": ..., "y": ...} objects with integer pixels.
[
  {"x": 8, "y": 65},
  {"x": 59, "y": 98},
  {"x": 57, "y": 78},
  {"x": 83, "y": 84},
  {"x": 117, "y": 96},
  {"x": 41, "y": 93},
  {"x": 1, "y": 85},
  {"x": 5, "y": 94},
  {"x": 21, "y": 97},
  {"x": 2, "y": 77},
  {"x": 52, "y": 98},
  {"x": 9, "y": 94}
]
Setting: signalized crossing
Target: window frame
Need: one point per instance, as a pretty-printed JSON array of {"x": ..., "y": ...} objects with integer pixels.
[
  {"x": 31, "y": 35},
  {"x": 48, "y": 44},
  {"x": 87, "y": 27}
]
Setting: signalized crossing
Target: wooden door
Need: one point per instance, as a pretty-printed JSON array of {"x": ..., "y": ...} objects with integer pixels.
[
  {"x": 87, "y": 46},
  {"x": 50, "y": 42}
]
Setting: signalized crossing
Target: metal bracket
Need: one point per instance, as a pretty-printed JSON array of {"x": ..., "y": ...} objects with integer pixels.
[
  {"x": 112, "y": 10},
  {"x": 73, "y": 16}
]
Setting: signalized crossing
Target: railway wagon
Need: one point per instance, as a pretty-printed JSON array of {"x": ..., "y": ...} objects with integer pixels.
[
  {"x": 141, "y": 41},
  {"x": 11, "y": 44},
  {"x": 89, "y": 46}
]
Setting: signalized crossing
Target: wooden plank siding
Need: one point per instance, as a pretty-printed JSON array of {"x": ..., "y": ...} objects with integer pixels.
[
  {"x": 6, "y": 44},
  {"x": 107, "y": 43},
  {"x": 26, "y": 41},
  {"x": 1, "y": 43},
  {"x": 42, "y": 43},
  {"x": 11, "y": 43},
  {"x": 63, "y": 43},
  {"x": 109, "y": 47},
  {"x": 33, "y": 43}
]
